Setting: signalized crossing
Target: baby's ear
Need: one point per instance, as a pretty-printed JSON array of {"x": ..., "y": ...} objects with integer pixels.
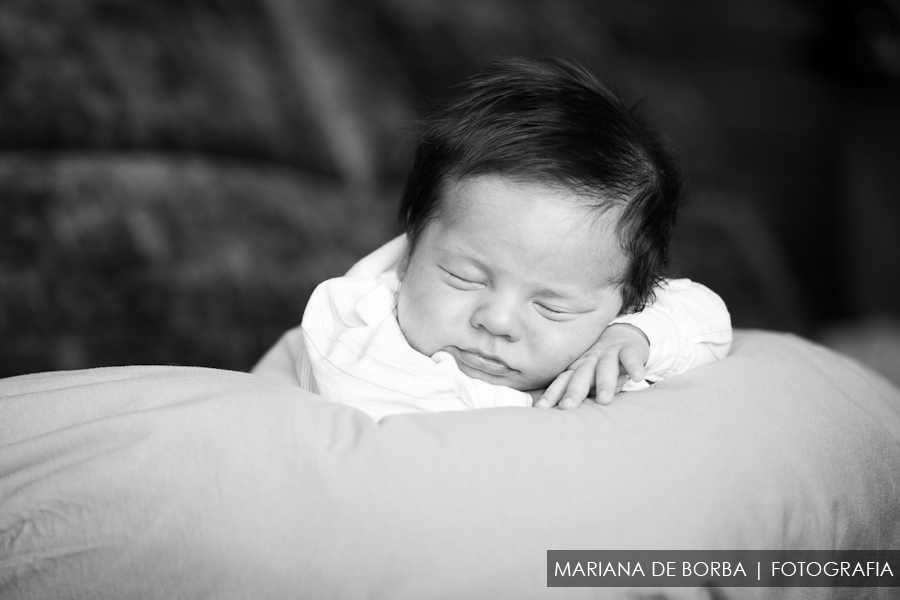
[{"x": 403, "y": 265}]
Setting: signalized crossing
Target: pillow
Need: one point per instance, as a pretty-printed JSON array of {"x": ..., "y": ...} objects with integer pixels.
[{"x": 176, "y": 482}]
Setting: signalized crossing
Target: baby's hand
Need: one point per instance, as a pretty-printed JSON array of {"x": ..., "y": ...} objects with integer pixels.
[{"x": 622, "y": 349}]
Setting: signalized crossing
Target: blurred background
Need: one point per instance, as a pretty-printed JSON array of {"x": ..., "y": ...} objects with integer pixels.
[{"x": 177, "y": 176}]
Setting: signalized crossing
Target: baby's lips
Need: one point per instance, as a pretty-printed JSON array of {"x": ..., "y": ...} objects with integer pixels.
[{"x": 483, "y": 363}]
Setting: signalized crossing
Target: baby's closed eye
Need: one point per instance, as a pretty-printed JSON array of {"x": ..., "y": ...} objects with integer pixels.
[
  {"x": 551, "y": 313},
  {"x": 460, "y": 282}
]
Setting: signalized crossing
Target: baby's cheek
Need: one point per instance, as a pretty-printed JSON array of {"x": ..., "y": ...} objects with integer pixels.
[
  {"x": 407, "y": 318},
  {"x": 570, "y": 342},
  {"x": 543, "y": 363},
  {"x": 419, "y": 321}
]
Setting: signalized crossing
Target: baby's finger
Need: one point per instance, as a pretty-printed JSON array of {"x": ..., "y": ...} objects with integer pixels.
[
  {"x": 632, "y": 363},
  {"x": 607, "y": 374},
  {"x": 580, "y": 362},
  {"x": 553, "y": 393},
  {"x": 580, "y": 385}
]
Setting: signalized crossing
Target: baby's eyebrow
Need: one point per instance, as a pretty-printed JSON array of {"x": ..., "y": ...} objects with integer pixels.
[{"x": 459, "y": 253}]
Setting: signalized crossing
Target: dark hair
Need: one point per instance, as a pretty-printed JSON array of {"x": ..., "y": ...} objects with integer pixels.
[{"x": 554, "y": 123}]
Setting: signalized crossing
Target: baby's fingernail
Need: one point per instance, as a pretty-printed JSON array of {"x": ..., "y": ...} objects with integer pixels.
[
  {"x": 566, "y": 402},
  {"x": 603, "y": 397},
  {"x": 541, "y": 403}
]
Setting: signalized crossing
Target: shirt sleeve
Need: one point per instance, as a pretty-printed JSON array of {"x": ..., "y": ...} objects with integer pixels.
[{"x": 688, "y": 326}]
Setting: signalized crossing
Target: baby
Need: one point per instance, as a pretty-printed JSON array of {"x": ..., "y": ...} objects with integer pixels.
[{"x": 538, "y": 213}]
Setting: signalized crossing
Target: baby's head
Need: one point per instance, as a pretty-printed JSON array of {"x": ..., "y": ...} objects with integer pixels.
[{"x": 538, "y": 208}]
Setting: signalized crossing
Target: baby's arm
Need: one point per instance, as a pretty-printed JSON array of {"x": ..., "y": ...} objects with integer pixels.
[{"x": 686, "y": 327}]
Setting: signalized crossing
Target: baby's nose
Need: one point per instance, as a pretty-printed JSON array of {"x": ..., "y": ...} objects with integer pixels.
[{"x": 499, "y": 318}]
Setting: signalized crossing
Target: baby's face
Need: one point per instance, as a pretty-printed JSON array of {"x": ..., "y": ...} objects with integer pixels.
[{"x": 515, "y": 280}]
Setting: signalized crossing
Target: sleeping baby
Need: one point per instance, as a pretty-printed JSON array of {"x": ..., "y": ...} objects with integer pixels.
[{"x": 538, "y": 213}]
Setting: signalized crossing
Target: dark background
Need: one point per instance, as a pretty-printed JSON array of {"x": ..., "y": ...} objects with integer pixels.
[{"x": 176, "y": 176}]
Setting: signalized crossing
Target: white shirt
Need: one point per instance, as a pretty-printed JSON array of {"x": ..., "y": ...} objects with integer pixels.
[{"x": 349, "y": 347}]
